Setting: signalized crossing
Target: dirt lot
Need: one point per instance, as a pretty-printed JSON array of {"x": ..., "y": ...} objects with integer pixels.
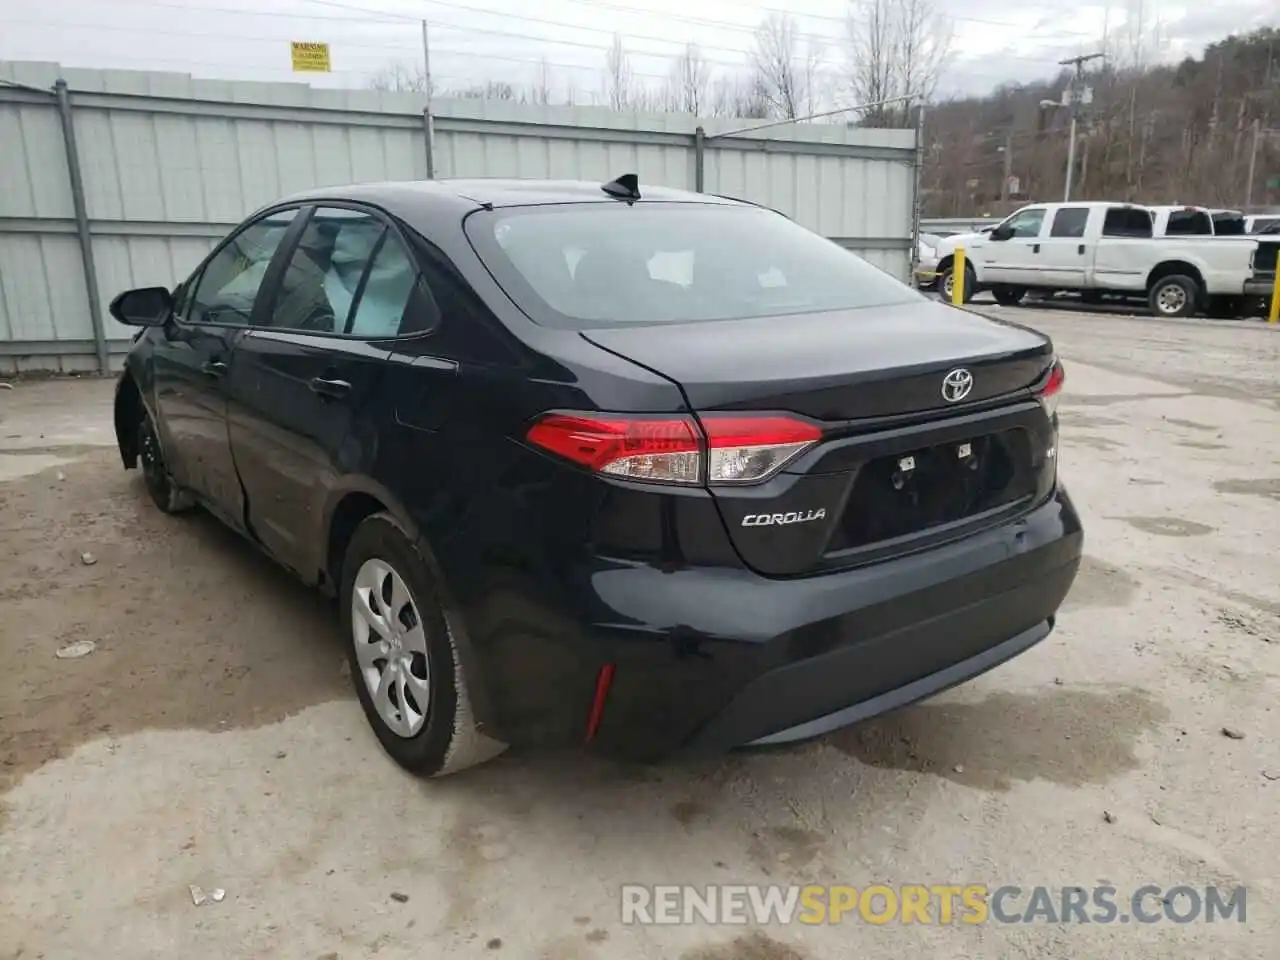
[{"x": 211, "y": 737}]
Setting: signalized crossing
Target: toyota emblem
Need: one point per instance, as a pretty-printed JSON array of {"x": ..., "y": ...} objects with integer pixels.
[{"x": 956, "y": 385}]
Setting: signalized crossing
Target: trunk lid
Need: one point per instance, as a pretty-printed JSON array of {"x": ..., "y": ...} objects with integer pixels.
[
  {"x": 874, "y": 379},
  {"x": 840, "y": 366}
]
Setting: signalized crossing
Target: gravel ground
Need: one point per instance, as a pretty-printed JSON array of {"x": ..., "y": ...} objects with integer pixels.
[{"x": 211, "y": 737}]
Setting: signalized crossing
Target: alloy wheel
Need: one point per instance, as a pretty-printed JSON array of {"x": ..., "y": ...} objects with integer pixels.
[{"x": 391, "y": 647}]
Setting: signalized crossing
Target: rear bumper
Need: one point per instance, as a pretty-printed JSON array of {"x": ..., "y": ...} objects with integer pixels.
[
  {"x": 710, "y": 658},
  {"x": 776, "y": 700},
  {"x": 1259, "y": 287},
  {"x": 917, "y": 690}
]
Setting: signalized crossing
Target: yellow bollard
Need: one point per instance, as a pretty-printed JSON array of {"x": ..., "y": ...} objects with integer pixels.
[
  {"x": 957, "y": 278},
  {"x": 1275, "y": 295}
]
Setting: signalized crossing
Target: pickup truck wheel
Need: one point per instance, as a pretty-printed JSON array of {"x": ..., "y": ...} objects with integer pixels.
[
  {"x": 946, "y": 285},
  {"x": 1174, "y": 296},
  {"x": 1227, "y": 308},
  {"x": 1009, "y": 296}
]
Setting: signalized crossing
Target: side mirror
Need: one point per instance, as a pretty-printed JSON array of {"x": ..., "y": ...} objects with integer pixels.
[
  {"x": 144, "y": 307},
  {"x": 1001, "y": 233}
]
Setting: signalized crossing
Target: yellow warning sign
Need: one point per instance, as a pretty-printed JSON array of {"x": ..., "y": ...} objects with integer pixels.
[{"x": 310, "y": 57}]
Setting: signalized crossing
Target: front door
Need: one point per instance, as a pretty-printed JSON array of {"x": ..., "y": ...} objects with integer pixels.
[
  {"x": 193, "y": 358},
  {"x": 306, "y": 385},
  {"x": 1015, "y": 260}
]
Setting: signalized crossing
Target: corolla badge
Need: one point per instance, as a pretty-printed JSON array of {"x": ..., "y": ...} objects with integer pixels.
[
  {"x": 956, "y": 385},
  {"x": 783, "y": 519}
]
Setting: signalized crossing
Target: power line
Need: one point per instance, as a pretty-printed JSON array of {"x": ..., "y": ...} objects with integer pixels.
[
  {"x": 383, "y": 45},
  {"x": 470, "y": 54},
  {"x": 682, "y": 18},
  {"x": 392, "y": 17}
]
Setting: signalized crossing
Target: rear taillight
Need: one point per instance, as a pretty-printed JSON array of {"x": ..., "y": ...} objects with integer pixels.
[
  {"x": 666, "y": 449},
  {"x": 1051, "y": 392},
  {"x": 722, "y": 449},
  {"x": 751, "y": 449}
]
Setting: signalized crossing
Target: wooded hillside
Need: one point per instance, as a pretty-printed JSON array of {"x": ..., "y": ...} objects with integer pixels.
[{"x": 1153, "y": 134}]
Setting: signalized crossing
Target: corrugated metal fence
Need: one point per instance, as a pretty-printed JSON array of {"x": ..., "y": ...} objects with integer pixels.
[{"x": 168, "y": 164}]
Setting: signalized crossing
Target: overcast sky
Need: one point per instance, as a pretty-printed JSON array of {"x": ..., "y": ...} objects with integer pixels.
[{"x": 475, "y": 40}]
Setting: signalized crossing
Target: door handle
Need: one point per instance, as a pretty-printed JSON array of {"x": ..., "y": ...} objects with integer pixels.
[
  {"x": 1035, "y": 248},
  {"x": 1080, "y": 249},
  {"x": 337, "y": 389},
  {"x": 214, "y": 368}
]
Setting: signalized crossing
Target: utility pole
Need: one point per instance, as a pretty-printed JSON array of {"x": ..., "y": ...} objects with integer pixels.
[
  {"x": 1008, "y": 165},
  {"x": 1253, "y": 165},
  {"x": 1078, "y": 63},
  {"x": 428, "y": 121}
]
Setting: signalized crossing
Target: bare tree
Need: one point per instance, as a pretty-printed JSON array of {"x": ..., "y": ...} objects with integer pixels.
[
  {"x": 690, "y": 81},
  {"x": 619, "y": 80},
  {"x": 542, "y": 83},
  {"x": 491, "y": 90},
  {"x": 398, "y": 78},
  {"x": 896, "y": 48},
  {"x": 785, "y": 70},
  {"x": 737, "y": 96}
]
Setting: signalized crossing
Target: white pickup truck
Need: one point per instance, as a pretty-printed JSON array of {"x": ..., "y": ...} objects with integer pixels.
[{"x": 1103, "y": 248}]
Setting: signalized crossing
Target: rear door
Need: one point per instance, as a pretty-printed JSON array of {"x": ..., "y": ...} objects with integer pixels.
[
  {"x": 1063, "y": 252},
  {"x": 305, "y": 382},
  {"x": 1016, "y": 261},
  {"x": 191, "y": 361},
  {"x": 1123, "y": 254}
]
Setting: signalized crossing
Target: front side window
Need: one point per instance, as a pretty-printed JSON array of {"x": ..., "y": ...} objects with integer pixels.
[
  {"x": 609, "y": 264},
  {"x": 227, "y": 288},
  {"x": 1025, "y": 223},
  {"x": 348, "y": 275}
]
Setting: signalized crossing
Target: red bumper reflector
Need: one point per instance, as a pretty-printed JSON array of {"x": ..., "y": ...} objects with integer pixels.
[{"x": 603, "y": 681}]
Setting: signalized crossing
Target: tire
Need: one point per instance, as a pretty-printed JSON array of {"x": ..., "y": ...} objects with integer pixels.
[
  {"x": 165, "y": 493},
  {"x": 1009, "y": 296},
  {"x": 1226, "y": 308},
  {"x": 947, "y": 279},
  {"x": 432, "y": 738},
  {"x": 1173, "y": 296}
]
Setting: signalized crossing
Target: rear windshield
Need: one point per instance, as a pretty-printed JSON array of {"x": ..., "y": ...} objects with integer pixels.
[{"x": 594, "y": 265}]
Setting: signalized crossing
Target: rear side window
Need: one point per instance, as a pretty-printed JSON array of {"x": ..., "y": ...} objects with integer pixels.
[
  {"x": 1127, "y": 222},
  {"x": 606, "y": 264},
  {"x": 348, "y": 275},
  {"x": 388, "y": 283},
  {"x": 1069, "y": 222},
  {"x": 1188, "y": 223}
]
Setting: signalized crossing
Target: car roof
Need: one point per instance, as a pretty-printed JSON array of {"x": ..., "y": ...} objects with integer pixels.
[{"x": 434, "y": 196}]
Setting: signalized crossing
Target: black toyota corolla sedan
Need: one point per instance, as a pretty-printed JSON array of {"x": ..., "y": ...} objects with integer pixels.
[{"x": 657, "y": 472}]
